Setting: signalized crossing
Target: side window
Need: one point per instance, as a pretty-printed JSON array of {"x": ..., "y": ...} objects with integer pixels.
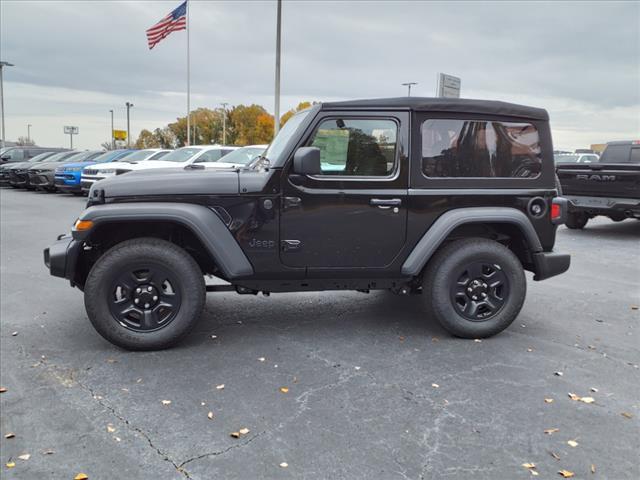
[
  {"x": 209, "y": 156},
  {"x": 158, "y": 155},
  {"x": 356, "y": 147},
  {"x": 635, "y": 155},
  {"x": 480, "y": 149}
]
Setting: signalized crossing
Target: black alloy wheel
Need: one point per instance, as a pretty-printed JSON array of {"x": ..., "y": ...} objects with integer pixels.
[
  {"x": 480, "y": 291},
  {"x": 145, "y": 298}
]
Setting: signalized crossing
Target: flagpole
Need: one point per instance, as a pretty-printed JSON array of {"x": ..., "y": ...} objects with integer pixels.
[
  {"x": 188, "y": 81},
  {"x": 276, "y": 122}
]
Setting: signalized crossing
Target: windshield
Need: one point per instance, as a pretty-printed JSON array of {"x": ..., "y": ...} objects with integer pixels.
[
  {"x": 242, "y": 156},
  {"x": 41, "y": 157},
  {"x": 83, "y": 156},
  {"x": 108, "y": 156},
  {"x": 564, "y": 158},
  {"x": 137, "y": 156},
  {"x": 181, "y": 155},
  {"x": 280, "y": 142},
  {"x": 58, "y": 157}
]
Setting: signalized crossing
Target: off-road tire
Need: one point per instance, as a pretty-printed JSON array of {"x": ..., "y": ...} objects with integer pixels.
[
  {"x": 576, "y": 220},
  {"x": 154, "y": 253},
  {"x": 442, "y": 274}
]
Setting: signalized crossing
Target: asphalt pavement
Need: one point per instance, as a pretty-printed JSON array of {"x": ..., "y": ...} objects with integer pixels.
[{"x": 329, "y": 385}]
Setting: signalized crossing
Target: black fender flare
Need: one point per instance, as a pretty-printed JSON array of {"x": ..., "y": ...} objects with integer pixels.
[
  {"x": 202, "y": 221},
  {"x": 452, "y": 219}
]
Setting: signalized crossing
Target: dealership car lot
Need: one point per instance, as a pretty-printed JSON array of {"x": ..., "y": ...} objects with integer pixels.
[{"x": 373, "y": 389}]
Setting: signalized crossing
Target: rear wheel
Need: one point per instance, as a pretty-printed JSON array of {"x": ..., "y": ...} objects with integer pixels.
[
  {"x": 576, "y": 220},
  {"x": 475, "y": 287},
  {"x": 144, "y": 294}
]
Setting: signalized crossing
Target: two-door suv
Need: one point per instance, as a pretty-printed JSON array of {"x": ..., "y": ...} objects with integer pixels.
[{"x": 447, "y": 198}]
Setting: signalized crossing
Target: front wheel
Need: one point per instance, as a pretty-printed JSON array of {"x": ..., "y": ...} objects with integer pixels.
[
  {"x": 474, "y": 287},
  {"x": 144, "y": 294}
]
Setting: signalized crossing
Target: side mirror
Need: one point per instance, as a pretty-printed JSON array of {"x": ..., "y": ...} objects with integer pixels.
[
  {"x": 306, "y": 161},
  {"x": 5, "y": 158}
]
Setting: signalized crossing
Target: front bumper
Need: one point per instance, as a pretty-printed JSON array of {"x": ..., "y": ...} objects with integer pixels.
[
  {"x": 60, "y": 258},
  {"x": 42, "y": 179},
  {"x": 630, "y": 207},
  {"x": 549, "y": 264}
]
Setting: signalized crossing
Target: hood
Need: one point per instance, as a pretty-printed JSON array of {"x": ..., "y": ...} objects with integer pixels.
[
  {"x": 219, "y": 165},
  {"x": 12, "y": 166},
  {"x": 170, "y": 181},
  {"x": 75, "y": 165},
  {"x": 46, "y": 165},
  {"x": 149, "y": 164},
  {"x": 113, "y": 166}
]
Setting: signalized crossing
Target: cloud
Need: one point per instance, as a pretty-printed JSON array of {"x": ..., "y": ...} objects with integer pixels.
[{"x": 76, "y": 60}]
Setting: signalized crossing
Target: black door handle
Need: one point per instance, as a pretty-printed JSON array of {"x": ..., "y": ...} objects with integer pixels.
[
  {"x": 385, "y": 202},
  {"x": 291, "y": 202}
]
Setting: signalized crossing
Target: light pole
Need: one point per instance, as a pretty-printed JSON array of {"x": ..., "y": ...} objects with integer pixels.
[
  {"x": 129, "y": 105},
  {"x": 113, "y": 140},
  {"x": 276, "y": 123},
  {"x": 224, "y": 122},
  {"x": 29, "y": 134},
  {"x": 2, "y": 65},
  {"x": 408, "y": 85}
]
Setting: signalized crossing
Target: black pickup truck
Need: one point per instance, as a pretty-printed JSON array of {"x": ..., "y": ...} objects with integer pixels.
[{"x": 609, "y": 187}]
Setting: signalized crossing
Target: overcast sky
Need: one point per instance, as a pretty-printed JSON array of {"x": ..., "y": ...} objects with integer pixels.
[{"x": 75, "y": 60}]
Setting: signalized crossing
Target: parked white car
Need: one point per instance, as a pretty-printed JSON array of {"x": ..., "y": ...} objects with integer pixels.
[
  {"x": 240, "y": 158},
  {"x": 93, "y": 173}
]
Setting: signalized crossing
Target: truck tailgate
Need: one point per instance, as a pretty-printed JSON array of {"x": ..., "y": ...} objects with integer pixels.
[{"x": 621, "y": 180}]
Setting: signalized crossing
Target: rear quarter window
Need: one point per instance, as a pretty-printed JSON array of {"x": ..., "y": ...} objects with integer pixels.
[
  {"x": 454, "y": 148},
  {"x": 616, "y": 154}
]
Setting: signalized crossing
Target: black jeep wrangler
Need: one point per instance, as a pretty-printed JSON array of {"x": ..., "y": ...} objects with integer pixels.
[{"x": 449, "y": 199}]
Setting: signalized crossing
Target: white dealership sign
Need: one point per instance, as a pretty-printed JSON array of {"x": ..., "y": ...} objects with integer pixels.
[
  {"x": 448, "y": 86},
  {"x": 71, "y": 130}
]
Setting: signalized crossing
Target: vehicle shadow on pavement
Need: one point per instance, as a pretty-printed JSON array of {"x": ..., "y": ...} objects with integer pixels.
[{"x": 629, "y": 228}]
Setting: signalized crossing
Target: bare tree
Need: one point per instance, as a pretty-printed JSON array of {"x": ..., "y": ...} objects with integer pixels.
[{"x": 25, "y": 142}]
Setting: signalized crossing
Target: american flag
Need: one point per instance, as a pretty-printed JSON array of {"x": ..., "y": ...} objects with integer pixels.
[{"x": 176, "y": 20}]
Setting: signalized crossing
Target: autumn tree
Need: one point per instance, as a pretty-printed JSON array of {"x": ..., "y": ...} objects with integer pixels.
[
  {"x": 301, "y": 106},
  {"x": 249, "y": 125}
]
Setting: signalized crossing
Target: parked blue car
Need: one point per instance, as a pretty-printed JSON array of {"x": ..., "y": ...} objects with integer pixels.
[{"x": 68, "y": 175}]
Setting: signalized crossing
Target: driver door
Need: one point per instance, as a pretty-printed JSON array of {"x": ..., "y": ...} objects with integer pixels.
[{"x": 354, "y": 213}]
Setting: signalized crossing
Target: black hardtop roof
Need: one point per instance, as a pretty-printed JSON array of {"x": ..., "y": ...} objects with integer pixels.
[
  {"x": 445, "y": 105},
  {"x": 624, "y": 142}
]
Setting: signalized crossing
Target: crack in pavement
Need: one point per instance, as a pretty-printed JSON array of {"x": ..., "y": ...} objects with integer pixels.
[
  {"x": 221, "y": 452},
  {"x": 113, "y": 411}
]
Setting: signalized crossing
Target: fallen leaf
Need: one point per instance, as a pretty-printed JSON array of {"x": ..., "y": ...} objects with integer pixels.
[
  {"x": 549, "y": 431},
  {"x": 81, "y": 476},
  {"x": 357, "y": 368},
  {"x": 111, "y": 360},
  {"x": 587, "y": 399},
  {"x": 529, "y": 349},
  {"x": 284, "y": 389},
  {"x": 284, "y": 464},
  {"x": 435, "y": 339},
  {"x": 235, "y": 434},
  {"x": 110, "y": 428},
  {"x": 220, "y": 387},
  {"x": 401, "y": 338},
  {"x": 214, "y": 336},
  {"x": 243, "y": 431},
  {"x": 3, "y": 389},
  {"x": 138, "y": 380},
  {"x": 591, "y": 347},
  {"x": 566, "y": 473},
  {"x": 593, "y": 468},
  {"x": 534, "y": 473},
  {"x": 594, "y": 390},
  {"x": 548, "y": 400},
  {"x": 572, "y": 443},
  {"x": 24, "y": 456},
  {"x": 634, "y": 307},
  {"x": 573, "y": 396},
  {"x": 118, "y": 439},
  {"x": 11, "y": 464},
  {"x": 529, "y": 465},
  {"x": 10, "y": 435},
  {"x": 558, "y": 374},
  {"x": 166, "y": 402},
  {"x": 627, "y": 415},
  {"x": 554, "y": 455},
  {"x": 477, "y": 340},
  {"x": 210, "y": 415},
  {"x": 14, "y": 334},
  {"x": 435, "y": 385},
  {"x": 48, "y": 452},
  {"x": 261, "y": 359}
]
